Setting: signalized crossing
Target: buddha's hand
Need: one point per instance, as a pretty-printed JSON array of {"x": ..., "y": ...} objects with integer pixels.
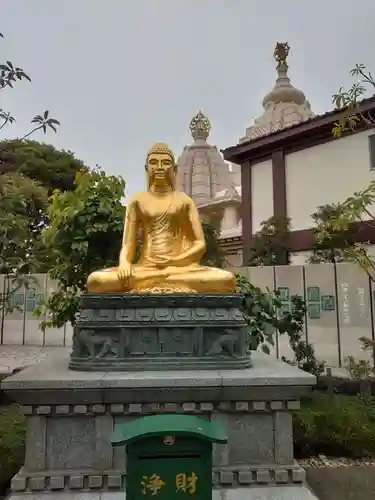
[
  {"x": 163, "y": 261},
  {"x": 171, "y": 262},
  {"x": 125, "y": 271}
]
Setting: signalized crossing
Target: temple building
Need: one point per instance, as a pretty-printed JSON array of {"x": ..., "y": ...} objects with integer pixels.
[
  {"x": 287, "y": 164},
  {"x": 214, "y": 185},
  {"x": 291, "y": 163}
]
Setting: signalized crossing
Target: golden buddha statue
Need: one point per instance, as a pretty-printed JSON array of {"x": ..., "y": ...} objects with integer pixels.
[{"x": 173, "y": 240}]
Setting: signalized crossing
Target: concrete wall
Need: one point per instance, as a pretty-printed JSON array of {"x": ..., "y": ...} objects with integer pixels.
[
  {"x": 340, "y": 305},
  {"x": 315, "y": 176},
  {"x": 324, "y": 174},
  {"x": 21, "y": 327},
  {"x": 340, "y": 302},
  {"x": 261, "y": 193}
]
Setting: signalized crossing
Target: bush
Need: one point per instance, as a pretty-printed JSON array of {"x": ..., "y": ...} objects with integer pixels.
[
  {"x": 12, "y": 444},
  {"x": 338, "y": 426},
  {"x": 264, "y": 315}
]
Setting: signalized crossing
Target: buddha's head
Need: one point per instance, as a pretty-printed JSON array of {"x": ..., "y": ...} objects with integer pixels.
[{"x": 160, "y": 166}]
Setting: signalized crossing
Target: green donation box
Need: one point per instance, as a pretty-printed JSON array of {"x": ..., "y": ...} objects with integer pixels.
[{"x": 168, "y": 456}]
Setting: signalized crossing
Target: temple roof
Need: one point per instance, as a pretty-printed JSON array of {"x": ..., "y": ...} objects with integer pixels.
[
  {"x": 202, "y": 172},
  {"x": 284, "y": 105}
]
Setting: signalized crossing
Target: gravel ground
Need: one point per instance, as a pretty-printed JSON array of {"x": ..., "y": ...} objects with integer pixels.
[
  {"x": 329, "y": 482},
  {"x": 323, "y": 461},
  {"x": 332, "y": 483},
  {"x": 13, "y": 357}
]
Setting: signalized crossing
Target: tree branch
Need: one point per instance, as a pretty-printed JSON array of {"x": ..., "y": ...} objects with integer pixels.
[
  {"x": 367, "y": 77},
  {"x": 368, "y": 213},
  {"x": 6, "y": 118},
  {"x": 367, "y": 119},
  {"x": 31, "y": 132}
]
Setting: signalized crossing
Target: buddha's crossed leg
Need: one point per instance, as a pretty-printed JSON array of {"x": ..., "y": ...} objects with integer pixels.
[{"x": 194, "y": 279}]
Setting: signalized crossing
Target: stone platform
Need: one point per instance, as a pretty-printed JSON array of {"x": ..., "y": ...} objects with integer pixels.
[
  {"x": 70, "y": 418},
  {"x": 257, "y": 493},
  {"x": 159, "y": 332}
]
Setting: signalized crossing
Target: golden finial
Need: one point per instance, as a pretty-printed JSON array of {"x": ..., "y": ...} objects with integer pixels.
[
  {"x": 200, "y": 126},
  {"x": 160, "y": 147},
  {"x": 281, "y": 53}
]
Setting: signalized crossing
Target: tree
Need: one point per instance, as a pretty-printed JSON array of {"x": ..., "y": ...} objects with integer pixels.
[
  {"x": 35, "y": 168},
  {"x": 356, "y": 208},
  {"x": 330, "y": 246},
  {"x": 214, "y": 255},
  {"x": 84, "y": 234},
  {"x": 29, "y": 173},
  {"x": 270, "y": 245},
  {"x": 19, "y": 199},
  {"x": 50, "y": 167},
  {"x": 9, "y": 75},
  {"x": 349, "y": 100},
  {"x": 22, "y": 204}
]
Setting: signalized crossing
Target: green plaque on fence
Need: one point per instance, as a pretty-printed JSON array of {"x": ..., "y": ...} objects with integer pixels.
[
  {"x": 283, "y": 293},
  {"x": 313, "y": 293},
  {"x": 17, "y": 299},
  {"x": 33, "y": 299},
  {"x": 328, "y": 303},
  {"x": 313, "y": 311}
]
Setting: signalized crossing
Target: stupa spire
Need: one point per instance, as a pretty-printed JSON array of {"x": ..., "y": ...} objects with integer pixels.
[
  {"x": 283, "y": 90},
  {"x": 200, "y": 127},
  {"x": 202, "y": 172},
  {"x": 284, "y": 106}
]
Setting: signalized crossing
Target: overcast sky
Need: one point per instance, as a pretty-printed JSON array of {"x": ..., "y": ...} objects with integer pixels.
[{"x": 123, "y": 74}]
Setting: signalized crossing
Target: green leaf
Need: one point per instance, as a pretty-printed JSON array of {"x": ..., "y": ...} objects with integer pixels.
[{"x": 265, "y": 348}]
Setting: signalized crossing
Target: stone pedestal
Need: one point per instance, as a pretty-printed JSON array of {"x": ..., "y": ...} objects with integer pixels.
[
  {"x": 159, "y": 332},
  {"x": 70, "y": 417}
]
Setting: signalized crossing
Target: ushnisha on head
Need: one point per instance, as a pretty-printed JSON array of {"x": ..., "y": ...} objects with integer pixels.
[{"x": 160, "y": 166}]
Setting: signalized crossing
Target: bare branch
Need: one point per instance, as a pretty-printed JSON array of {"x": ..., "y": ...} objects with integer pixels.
[
  {"x": 369, "y": 214},
  {"x": 30, "y": 133},
  {"x": 7, "y": 119}
]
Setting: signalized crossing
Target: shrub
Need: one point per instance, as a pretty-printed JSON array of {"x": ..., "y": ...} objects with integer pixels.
[
  {"x": 338, "y": 426},
  {"x": 264, "y": 316},
  {"x": 12, "y": 443},
  {"x": 269, "y": 246}
]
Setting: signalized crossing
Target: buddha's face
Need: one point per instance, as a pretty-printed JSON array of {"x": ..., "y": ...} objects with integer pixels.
[{"x": 160, "y": 168}]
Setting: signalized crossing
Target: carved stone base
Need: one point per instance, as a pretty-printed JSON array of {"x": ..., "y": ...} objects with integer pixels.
[
  {"x": 159, "y": 332},
  {"x": 71, "y": 416}
]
